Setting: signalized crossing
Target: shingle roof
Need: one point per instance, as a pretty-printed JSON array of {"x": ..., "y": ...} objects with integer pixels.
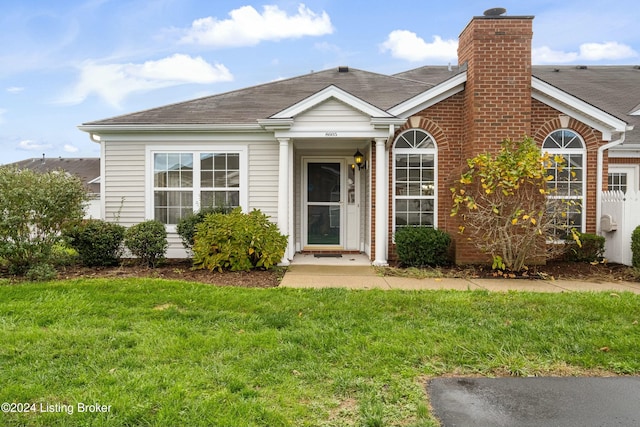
[
  {"x": 87, "y": 169},
  {"x": 262, "y": 101},
  {"x": 614, "y": 89}
]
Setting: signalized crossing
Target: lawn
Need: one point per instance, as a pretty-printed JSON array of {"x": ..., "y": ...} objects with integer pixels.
[{"x": 157, "y": 352}]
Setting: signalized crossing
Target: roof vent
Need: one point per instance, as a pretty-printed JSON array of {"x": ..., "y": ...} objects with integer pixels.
[
  {"x": 581, "y": 67},
  {"x": 496, "y": 11},
  {"x": 343, "y": 69}
]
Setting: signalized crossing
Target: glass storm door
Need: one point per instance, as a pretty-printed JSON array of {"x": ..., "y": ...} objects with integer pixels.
[{"x": 324, "y": 203}]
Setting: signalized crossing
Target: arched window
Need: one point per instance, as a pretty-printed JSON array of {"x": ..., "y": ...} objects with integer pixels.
[
  {"x": 414, "y": 180},
  {"x": 568, "y": 183}
]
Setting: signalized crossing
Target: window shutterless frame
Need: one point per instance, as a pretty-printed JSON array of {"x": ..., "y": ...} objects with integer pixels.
[{"x": 182, "y": 180}]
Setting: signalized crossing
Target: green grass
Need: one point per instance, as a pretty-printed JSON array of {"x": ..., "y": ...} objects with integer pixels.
[{"x": 174, "y": 353}]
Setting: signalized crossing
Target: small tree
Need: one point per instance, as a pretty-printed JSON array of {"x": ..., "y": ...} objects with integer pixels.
[
  {"x": 33, "y": 209},
  {"x": 504, "y": 202}
]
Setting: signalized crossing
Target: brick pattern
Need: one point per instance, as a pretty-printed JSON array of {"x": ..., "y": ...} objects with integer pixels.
[{"x": 496, "y": 104}]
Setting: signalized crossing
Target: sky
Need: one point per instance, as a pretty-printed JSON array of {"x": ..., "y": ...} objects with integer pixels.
[{"x": 64, "y": 62}]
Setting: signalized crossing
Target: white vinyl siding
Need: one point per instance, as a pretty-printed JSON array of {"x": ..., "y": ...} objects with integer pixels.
[
  {"x": 128, "y": 173},
  {"x": 332, "y": 115},
  {"x": 124, "y": 182}
]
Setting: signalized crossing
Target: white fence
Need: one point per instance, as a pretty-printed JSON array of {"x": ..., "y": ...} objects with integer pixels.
[{"x": 622, "y": 212}]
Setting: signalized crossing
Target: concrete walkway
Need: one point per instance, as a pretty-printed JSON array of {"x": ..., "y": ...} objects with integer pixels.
[{"x": 364, "y": 277}]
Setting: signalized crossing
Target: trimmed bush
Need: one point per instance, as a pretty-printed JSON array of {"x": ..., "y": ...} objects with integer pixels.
[
  {"x": 238, "y": 242},
  {"x": 422, "y": 246},
  {"x": 147, "y": 241},
  {"x": 635, "y": 247},
  {"x": 186, "y": 227},
  {"x": 591, "y": 248},
  {"x": 98, "y": 243}
]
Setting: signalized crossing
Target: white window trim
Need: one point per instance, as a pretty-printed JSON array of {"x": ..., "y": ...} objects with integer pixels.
[
  {"x": 393, "y": 180},
  {"x": 196, "y": 150},
  {"x": 583, "y": 152}
]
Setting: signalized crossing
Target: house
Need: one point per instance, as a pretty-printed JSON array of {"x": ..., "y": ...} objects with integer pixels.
[
  {"x": 87, "y": 169},
  {"x": 287, "y": 147}
]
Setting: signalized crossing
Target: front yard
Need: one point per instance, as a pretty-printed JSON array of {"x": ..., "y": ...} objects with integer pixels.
[{"x": 157, "y": 352}]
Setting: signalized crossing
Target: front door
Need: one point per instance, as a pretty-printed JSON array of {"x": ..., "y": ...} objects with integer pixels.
[{"x": 324, "y": 203}]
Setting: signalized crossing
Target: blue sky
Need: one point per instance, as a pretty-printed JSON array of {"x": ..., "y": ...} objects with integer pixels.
[{"x": 66, "y": 62}]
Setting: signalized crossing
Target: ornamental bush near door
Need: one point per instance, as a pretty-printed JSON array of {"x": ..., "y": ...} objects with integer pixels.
[
  {"x": 422, "y": 246},
  {"x": 237, "y": 242}
]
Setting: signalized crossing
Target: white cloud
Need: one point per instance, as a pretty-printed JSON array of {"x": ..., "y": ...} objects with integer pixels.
[
  {"x": 247, "y": 27},
  {"x": 407, "y": 45},
  {"x": 15, "y": 89},
  {"x": 70, "y": 148},
  {"x": 607, "y": 51},
  {"x": 545, "y": 55},
  {"x": 114, "y": 82},
  {"x": 30, "y": 145}
]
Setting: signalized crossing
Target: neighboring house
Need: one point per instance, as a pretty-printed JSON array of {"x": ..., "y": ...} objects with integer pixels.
[
  {"x": 87, "y": 169},
  {"x": 287, "y": 147}
]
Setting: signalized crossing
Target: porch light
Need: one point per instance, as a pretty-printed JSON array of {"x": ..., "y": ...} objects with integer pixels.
[{"x": 358, "y": 158}]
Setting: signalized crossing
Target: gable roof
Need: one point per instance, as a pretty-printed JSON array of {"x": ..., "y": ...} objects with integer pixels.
[
  {"x": 245, "y": 106},
  {"x": 87, "y": 169},
  {"x": 614, "y": 89},
  {"x": 609, "y": 92}
]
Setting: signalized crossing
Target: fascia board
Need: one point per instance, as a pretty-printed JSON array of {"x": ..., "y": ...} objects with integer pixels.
[
  {"x": 430, "y": 97},
  {"x": 327, "y": 93},
  {"x": 569, "y": 104},
  {"x": 131, "y": 128}
]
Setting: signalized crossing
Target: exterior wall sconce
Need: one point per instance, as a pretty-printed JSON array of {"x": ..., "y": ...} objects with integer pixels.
[{"x": 358, "y": 158}]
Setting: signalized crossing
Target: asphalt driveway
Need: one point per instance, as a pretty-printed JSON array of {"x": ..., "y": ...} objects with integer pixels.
[{"x": 539, "y": 401}]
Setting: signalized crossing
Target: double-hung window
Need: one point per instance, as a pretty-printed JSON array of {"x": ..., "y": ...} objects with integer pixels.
[
  {"x": 414, "y": 179},
  {"x": 568, "y": 179},
  {"x": 186, "y": 181}
]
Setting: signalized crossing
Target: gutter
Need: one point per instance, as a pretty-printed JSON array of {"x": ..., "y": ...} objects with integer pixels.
[{"x": 600, "y": 167}]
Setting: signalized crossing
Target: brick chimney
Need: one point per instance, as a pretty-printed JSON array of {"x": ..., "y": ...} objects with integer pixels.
[
  {"x": 497, "y": 52},
  {"x": 497, "y": 95}
]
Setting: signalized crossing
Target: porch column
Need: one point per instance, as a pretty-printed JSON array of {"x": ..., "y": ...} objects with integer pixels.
[
  {"x": 283, "y": 193},
  {"x": 381, "y": 197}
]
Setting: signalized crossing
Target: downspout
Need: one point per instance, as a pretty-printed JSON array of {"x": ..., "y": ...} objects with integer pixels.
[{"x": 600, "y": 167}]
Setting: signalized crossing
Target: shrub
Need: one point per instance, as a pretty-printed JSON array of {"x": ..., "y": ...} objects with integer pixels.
[
  {"x": 422, "y": 246},
  {"x": 635, "y": 247},
  {"x": 503, "y": 202},
  {"x": 186, "y": 227},
  {"x": 147, "y": 241},
  {"x": 590, "y": 249},
  {"x": 237, "y": 241},
  {"x": 34, "y": 208},
  {"x": 98, "y": 243},
  {"x": 41, "y": 273}
]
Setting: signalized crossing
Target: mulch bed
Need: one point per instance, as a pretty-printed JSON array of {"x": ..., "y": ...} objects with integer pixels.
[{"x": 180, "y": 269}]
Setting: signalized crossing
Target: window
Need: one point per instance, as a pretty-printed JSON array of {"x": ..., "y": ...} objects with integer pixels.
[
  {"x": 617, "y": 181},
  {"x": 568, "y": 182},
  {"x": 183, "y": 182},
  {"x": 414, "y": 179}
]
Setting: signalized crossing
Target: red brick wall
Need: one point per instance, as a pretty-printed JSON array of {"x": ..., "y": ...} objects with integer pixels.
[
  {"x": 496, "y": 104},
  {"x": 545, "y": 121}
]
